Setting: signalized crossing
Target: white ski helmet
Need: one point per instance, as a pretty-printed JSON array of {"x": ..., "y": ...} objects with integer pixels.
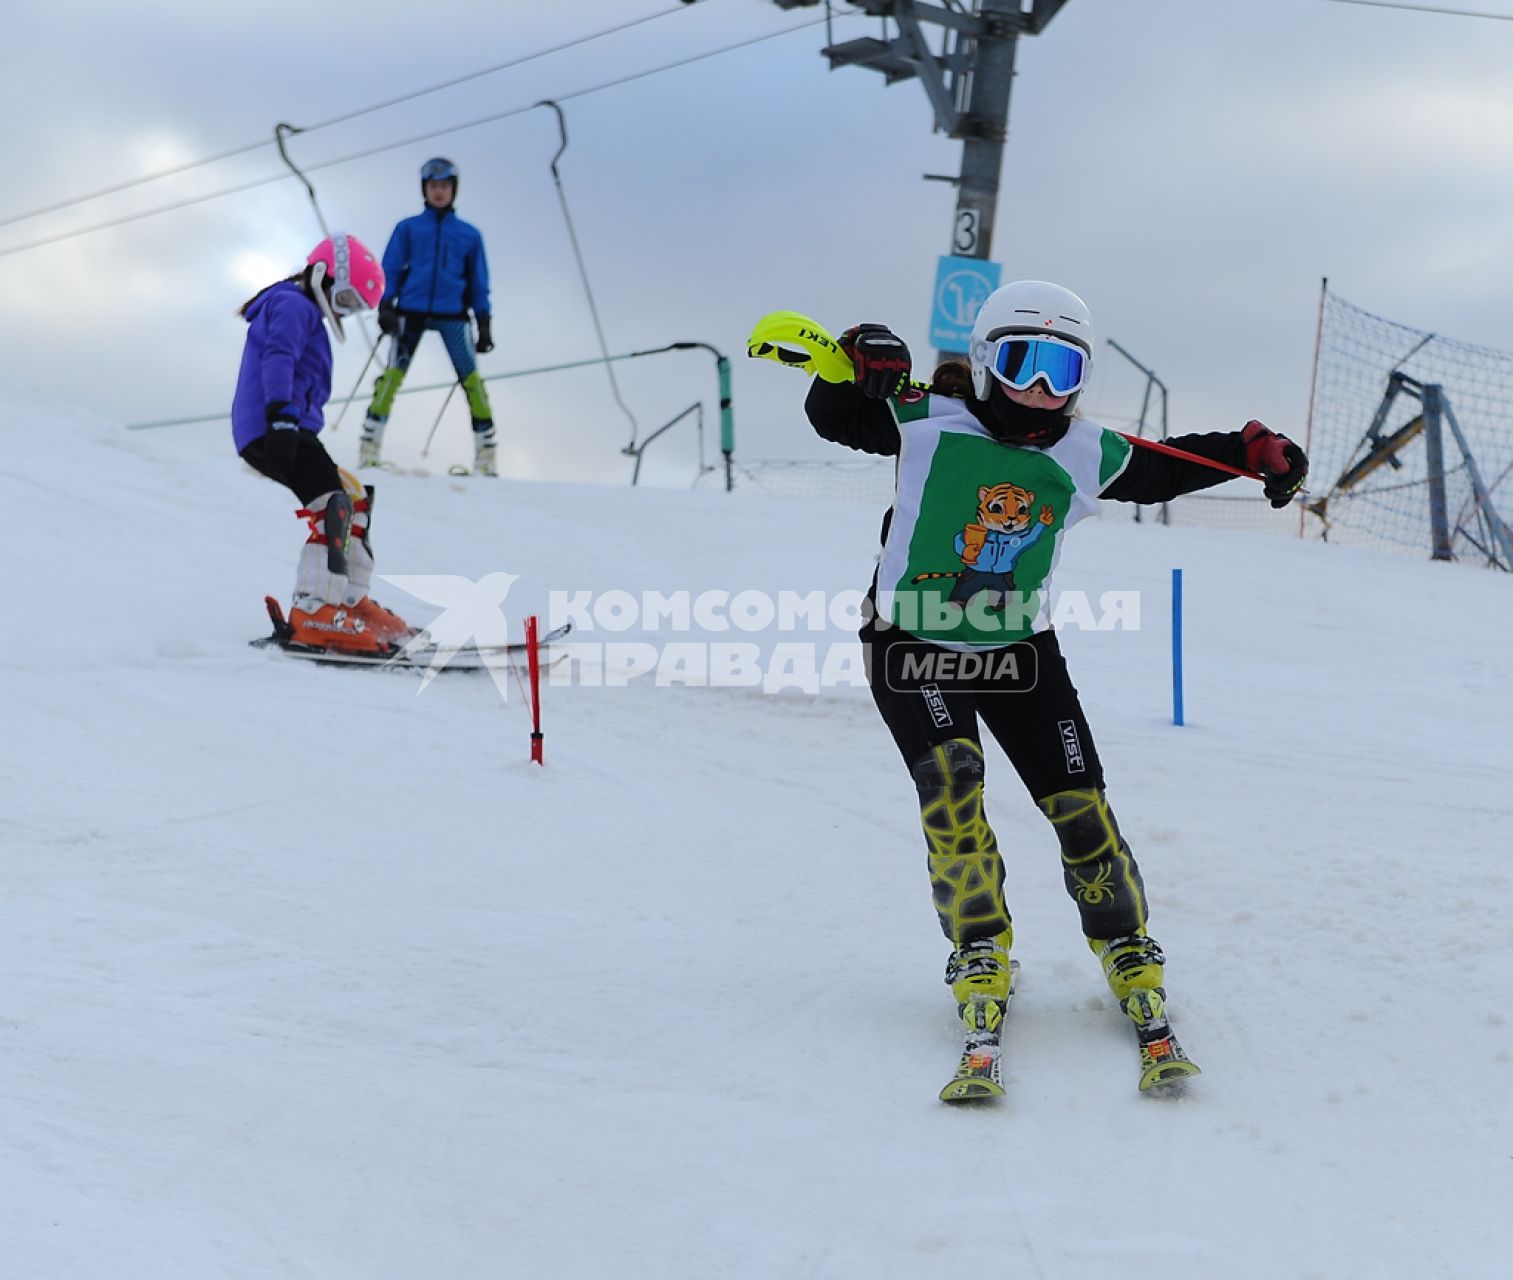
[{"x": 1028, "y": 306}]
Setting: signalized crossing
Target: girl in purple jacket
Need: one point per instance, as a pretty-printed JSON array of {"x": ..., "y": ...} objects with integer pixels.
[{"x": 276, "y": 417}]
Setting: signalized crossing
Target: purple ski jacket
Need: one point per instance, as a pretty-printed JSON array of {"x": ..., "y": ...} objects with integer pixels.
[{"x": 287, "y": 357}]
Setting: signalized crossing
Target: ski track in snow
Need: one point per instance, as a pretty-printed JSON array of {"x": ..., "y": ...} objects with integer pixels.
[{"x": 307, "y": 975}]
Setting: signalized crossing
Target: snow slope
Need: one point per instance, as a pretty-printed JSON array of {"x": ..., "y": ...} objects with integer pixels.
[{"x": 304, "y": 973}]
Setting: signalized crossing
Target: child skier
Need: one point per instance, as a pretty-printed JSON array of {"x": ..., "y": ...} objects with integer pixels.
[
  {"x": 989, "y": 478},
  {"x": 276, "y": 417},
  {"x": 436, "y": 271}
]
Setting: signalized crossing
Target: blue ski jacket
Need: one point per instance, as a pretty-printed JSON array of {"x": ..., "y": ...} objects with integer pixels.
[
  {"x": 435, "y": 265},
  {"x": 287, "y": 357}
]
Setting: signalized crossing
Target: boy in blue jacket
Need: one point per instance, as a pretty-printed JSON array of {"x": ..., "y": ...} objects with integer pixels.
[{"x": 436, "y": 272}]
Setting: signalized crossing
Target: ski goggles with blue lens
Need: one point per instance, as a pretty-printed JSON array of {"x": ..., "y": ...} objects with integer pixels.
[{"x": 1019, "y": 360}]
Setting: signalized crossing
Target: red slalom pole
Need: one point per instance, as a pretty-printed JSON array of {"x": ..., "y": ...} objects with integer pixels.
[
  {"x": 1157, "y": 447},
  {"x": 533, "y": 658}
]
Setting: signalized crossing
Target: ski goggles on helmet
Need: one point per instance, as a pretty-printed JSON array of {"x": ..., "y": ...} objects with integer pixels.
[
  {"x": 437, "y": 170},
  {"x": 1019, "y": 360},
  {"x": 346, "y": 299}
]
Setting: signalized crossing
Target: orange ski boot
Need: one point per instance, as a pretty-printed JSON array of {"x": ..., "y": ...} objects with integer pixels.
[
  {"x": 384, "y": 624},
  {"x": 333, "y": 626}
]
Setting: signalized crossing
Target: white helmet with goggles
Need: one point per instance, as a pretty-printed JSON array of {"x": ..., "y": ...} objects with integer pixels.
[{"x": 1033, "y": 331}]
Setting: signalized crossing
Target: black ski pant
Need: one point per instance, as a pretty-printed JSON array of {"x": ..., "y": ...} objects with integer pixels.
[{"x": 310, "y": 474}]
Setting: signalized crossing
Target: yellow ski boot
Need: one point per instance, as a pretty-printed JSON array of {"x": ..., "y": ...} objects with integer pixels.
[
  {"x": 1135, "y": 969},
  {"x": 982, "y": 979}
]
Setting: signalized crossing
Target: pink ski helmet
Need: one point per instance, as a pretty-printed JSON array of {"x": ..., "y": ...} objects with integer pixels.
[{"x": 357, "y": 278}]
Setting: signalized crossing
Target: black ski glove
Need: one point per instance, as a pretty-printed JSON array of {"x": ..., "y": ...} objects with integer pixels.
[
  {"x": 1283, "y": 466},
  {"x": 880, "y": 357},
  {"x": 281, "y": 442},
  {"x": 485, "y": 335},
  {"x": 388, "y": 316}
]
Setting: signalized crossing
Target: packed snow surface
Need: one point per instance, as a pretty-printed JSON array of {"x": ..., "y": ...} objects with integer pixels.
[{"x": 309, "y": 973}]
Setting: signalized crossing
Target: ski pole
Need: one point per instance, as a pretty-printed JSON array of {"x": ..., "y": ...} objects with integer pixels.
[
  {"x": 426, "y": 452},
  {"x": 356, "y": 386},
  {"x": 1155, "y": 446}
]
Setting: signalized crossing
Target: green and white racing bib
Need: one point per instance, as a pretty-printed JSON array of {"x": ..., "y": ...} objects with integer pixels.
[{"x": 977, "y": 525}]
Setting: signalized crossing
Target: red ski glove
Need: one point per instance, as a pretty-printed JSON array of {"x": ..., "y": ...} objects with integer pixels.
[
  {"x": 1283, "y": 466},
  {"x": 880, "y": 357}
]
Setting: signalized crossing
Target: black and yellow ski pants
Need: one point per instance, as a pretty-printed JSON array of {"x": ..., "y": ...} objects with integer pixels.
[{"x": 1046, "y": 737}]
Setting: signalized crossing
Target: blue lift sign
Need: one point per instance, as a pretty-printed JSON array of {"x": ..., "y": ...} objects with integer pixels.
[{"x": 962, "y": 285}]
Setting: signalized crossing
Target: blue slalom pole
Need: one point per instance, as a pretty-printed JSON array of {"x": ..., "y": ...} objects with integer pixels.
[{"x": 1177, "y": 646}]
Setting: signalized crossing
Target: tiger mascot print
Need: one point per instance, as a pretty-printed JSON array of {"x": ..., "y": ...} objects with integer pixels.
[{"x": 992, "y": 545}]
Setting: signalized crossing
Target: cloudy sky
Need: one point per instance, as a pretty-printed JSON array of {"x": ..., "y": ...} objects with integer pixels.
[{"x": 1191, "y": 167}]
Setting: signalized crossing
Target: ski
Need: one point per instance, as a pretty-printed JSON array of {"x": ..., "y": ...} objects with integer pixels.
[
  {"x": 1164, "y": 1067},
  {"x": 394, "y": 469},
  {"x": 414, "y": 657},
  {"x": 979, "y": 1075}
]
